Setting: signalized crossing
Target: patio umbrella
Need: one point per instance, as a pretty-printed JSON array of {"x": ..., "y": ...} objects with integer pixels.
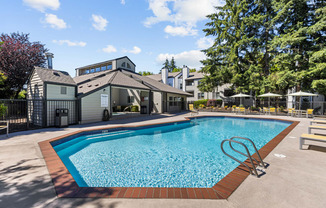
[
  {"x": 240, "y": 95},
  {"x": 301, "y": 94},
  {"x": 269, "y": 95}
]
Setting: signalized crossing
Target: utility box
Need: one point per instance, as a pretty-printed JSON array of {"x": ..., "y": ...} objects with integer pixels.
[{"x": 61, "y": 117}]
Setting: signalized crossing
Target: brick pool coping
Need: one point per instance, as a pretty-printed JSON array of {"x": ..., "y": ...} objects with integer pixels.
[{"x": 66, "y": 186}]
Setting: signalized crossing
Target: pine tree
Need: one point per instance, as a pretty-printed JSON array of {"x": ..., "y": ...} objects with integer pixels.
[
  {"x": 172, "y": 65},
  {"x": 166, "y": 64}
]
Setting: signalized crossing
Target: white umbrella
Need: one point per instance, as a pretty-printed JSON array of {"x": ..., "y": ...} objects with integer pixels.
[
  {"x": 269, "y": 95},
  {"x": 301, "y": 94},
  {"x": 240, "y": 95}
]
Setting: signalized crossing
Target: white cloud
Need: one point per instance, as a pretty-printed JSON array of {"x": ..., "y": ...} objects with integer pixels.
[
  {"x": 204, "y": 43},
  {"x": 109, "y": 49},
  {"x": 134, "y": 50},
  {"x": 189, "y": 58},
  {"x": 184, "y": 13},
  {"x": 70, "y": 43},
  {"x": 55, "y": 22},
  {"x": 99, "y": 23},
  {"x": 180, "y": 31},
  {"x": 42, "y": 5},
  {"x": 123, "y": 2}
]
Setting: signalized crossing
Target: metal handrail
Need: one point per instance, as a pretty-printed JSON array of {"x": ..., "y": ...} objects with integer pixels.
[
  {"x": 248, "y": 155},
  {"x": 253, "y": 144}
]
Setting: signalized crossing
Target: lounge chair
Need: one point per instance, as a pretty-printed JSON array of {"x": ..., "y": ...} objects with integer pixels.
[
  {"x": 4, "y": 125},
  {"x": 310, "y": 112},
  {"x": 311, "y": 137},
  {"x": 192, "y": 110}
]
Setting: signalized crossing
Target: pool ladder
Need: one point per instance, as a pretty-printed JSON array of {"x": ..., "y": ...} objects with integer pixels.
[{"x": 247, "y": 154}]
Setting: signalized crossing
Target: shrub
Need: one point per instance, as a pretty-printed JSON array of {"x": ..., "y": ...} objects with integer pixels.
[
  {"x": 135, "y": 108},
  {"x": 198, "y": 102},
  {"x": 3, "y": 110}
]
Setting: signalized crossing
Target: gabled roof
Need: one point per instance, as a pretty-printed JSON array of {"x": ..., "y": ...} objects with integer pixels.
[
  {"x": 55, "y": 76},
  {"x": 195, "y": 75},
  {"x": 122, "y": 78}
]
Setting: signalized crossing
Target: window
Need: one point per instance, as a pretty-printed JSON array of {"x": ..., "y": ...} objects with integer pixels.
[
  {"x": 109, "y": 67},
  {"x": 63, "y": 90},
  {"x": 87, "y": 71},
  {"x": 131, "y": 99},
  {"x": 181, "y": 86},
  {"x": 228, "y": 92},
  {"x": 128, "y": 66},
  {"x": 103, "y": 68},
  {"x": 98, "y": 69},
  {"x": 170, "y": 101},
  {"x": 192, "y": 93},
  {"x": 200, "y": 95},
  {"x": 189, "y": 83},
  {"x": 123, "y": 64},
  {"x": 92, "y": 70}
]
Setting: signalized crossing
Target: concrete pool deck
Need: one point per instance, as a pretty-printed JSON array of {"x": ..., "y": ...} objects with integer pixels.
[{"x": 298, "y": 180}]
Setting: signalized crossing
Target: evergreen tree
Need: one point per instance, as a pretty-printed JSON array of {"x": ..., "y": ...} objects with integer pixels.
[
  {"x": 166, "y": 64},
  {"x": 172, "y": 65}
]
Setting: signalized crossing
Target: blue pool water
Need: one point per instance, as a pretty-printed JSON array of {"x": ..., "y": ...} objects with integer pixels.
[{"x": 185, "y": 154}]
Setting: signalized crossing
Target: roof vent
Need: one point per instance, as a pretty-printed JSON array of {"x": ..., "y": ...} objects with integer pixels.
[
  {"x": 56, "y": 74},
  {"x": 80, "y": 86},
  {"x": 89, "y": 85}
]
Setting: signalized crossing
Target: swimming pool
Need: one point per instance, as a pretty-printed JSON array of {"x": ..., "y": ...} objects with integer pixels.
[{"x": 183, "y": 154}]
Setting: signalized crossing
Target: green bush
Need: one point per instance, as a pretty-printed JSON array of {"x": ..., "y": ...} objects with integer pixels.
[
  {"x": 135, "y": 108},
  {"x": 198, "y": 102},
  {"x": 3, "y": 110}
]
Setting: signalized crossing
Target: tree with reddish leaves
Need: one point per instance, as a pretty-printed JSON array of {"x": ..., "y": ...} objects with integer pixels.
[{"x": 18, "y": 57}]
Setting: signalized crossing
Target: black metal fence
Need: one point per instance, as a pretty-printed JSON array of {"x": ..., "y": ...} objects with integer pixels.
[{"x": 36, "y": 113}]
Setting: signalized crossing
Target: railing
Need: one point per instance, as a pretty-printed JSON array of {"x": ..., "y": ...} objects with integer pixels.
[
  {"x": 24, "y": 114},
  {"x": 247, "y": 154}
]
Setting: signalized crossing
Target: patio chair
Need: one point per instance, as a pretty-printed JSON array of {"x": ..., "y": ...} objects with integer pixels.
[
  {"x": 310, "y": 112},
  {"x": 311, "y": 137},
  {"x": 272, "y": 110},
  {"x": 242, "y": 110},
  {"x": 291, "y": 111},
  {"x": 5, "y": 125}
]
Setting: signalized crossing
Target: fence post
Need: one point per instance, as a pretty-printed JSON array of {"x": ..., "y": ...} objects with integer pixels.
[
  {"x": 27, "y": 113},
  {"x": 44, "y": 117}
]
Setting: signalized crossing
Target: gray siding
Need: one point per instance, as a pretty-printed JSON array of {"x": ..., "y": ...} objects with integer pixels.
[
  {"x": 91, "y": 106},
  {"x": 35, "y": 92},
  {"x": 54, "y": 92},
  {"x": 120, "y": 62}
]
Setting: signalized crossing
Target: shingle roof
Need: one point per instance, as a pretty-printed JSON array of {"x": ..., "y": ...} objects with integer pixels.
[
  {"x": 51, "y": 75},
  {"x": 123, "y": 78},
  {"x": 195, "y": 75},
  {"x": 157, "y": 86},
  {"x": 88, "y": 77},
  {"x": 158, "y": 77}
]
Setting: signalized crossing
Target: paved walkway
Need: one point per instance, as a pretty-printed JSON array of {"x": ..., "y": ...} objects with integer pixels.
[{"x": 299, "y": 180}]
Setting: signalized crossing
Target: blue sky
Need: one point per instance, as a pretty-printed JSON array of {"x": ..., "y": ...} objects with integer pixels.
[{"x": 84, "y": 32}]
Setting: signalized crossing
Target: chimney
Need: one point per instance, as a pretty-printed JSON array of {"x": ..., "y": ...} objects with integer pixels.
[
  {"x": 49, "y": 57},
  {"x": 185, "y": 75},
  {"x": 165, "y": 75}
]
